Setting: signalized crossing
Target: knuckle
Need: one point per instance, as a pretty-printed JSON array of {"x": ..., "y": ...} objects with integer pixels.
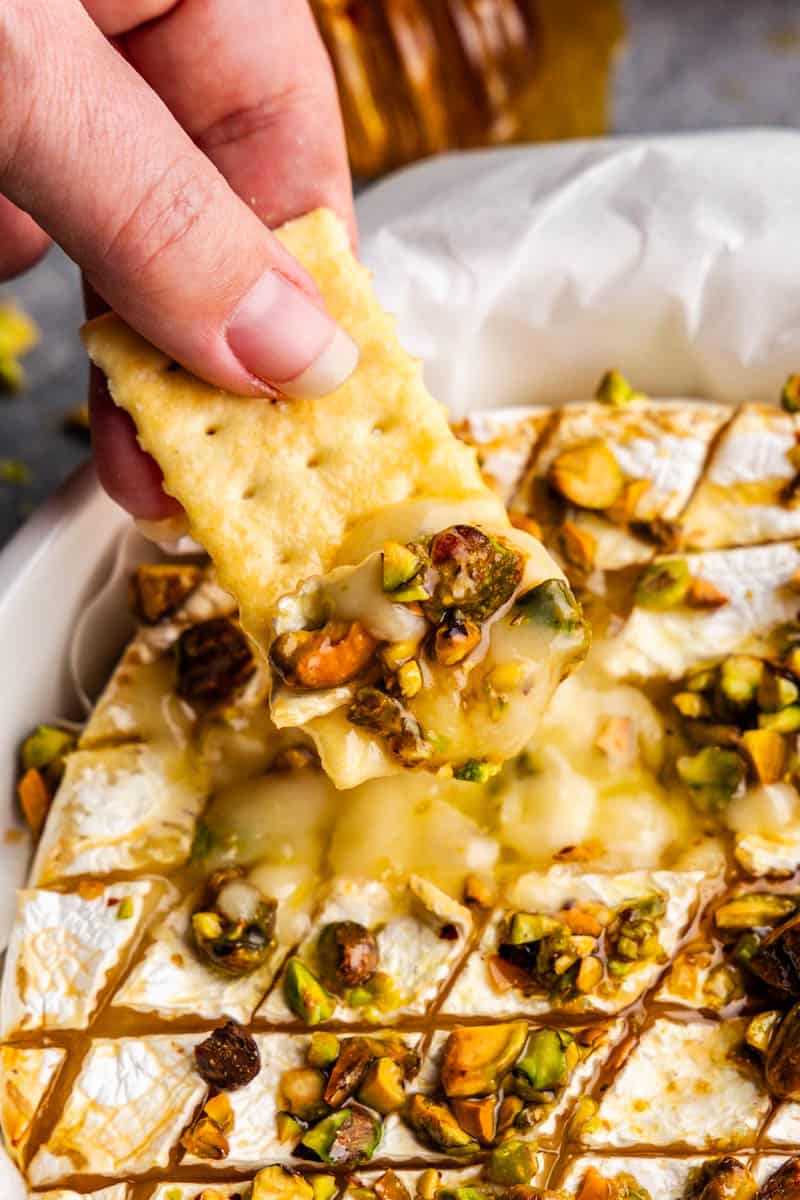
[{"x": 166, "y": 215}]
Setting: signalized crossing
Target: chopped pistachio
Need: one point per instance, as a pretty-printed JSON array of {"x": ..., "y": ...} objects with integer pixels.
[
  {"x": 692, "y": 705},
  {"x": 476, "y": 770},
  {"x": 615, "y": 390},
  {"x": 409, "y": 679},
  {"x": 476, "y": 1057},
  {"x": 531, "y": 927},
  {"x": 760, "y": 1030},
  {"x": 785, "y": 721},
  {"x": 455, "y": 638},
  {"x": 578, "y": 545},
  {"x": 754, "y": 910},
  {"x": 790, "y": 394},
  {"x": 303, "y": 1091},
  {"x": 390, "y": 1187},
  {"x": 590, "y": 973},
  {"x": 478, "y": 892},
  {"x": 587, "y": 475},
  {"x": 35, "y": 799},
  {"x": 347, "y": 955},
  {"x": 235, "y": 926},
  {"x": 512, "y": 1163},
  {"x": 324, "y": 1187},
  {"x": 345, "y": 1138},
  {"x": 305, "y": 995},
  {"x": 396, "y": 653},
  {"x": 385, "y": 715},
  {"x": 663, "y": 585},
  {"x": 476, "y": 1116},
  {"x": 510, "y": 1108},
  {"x": 279, "y": 1183},
  {"x": 125, "y": 909},
  {"x": 157, "y": 589},
  {"x": 584, "y": 1118},
  {"x": 384, "y": 1086},
  {"x": 702, "y": 680},
  {"x": 776, "y": 691},
  {"x": 724, "y": 1179},
  {"x": 712, "y": 733},
  {"x": 623, "y": 511},
  {"x": 552, "y": 605},
  {"x": 46, "y": 747},
  {"x": 740, "y": 677},
  {"x": 428, "y": 1184},
  {"x": 288, "y": 1127},
  {"x": 399, "y": 565},
  {"x": 323, "y": 1049},
  {"x": 766, "y": 751},
  {"x": 713, "y": 776},
  {"x": 704, "y": 595},
  {"x": 543, "y": 1066},
  {"x": 437, "y": 1125}
]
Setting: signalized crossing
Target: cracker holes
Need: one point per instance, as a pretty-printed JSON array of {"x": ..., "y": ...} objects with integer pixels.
[
  {"x": 171, "y": 367},
  {"x": 314, "y": 462},
  {"x": 249, "y": 492},
  {"x": 212, "y": 431}
]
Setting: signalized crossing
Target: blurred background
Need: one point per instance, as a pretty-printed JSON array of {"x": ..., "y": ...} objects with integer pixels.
[{"x": 419, "y": 77}]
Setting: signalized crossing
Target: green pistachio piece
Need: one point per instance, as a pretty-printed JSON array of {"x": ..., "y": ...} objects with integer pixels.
[
  {"x": 713, "y": 777},
  {"x": 701, "y": 681},
  {"x": 288, "y": 1127},
  {"x": 760, "y": 1030},
  {"x": 663, "y": 585},
  {"x": 476, "y": 1057},
  {"x": 776, "y": 691},
  {"x": 785, "y": 721},
  {"x": 531, "y": 927},
  {"x": 543, "y": 1065},
  {"x": 746, "y": 948},
  {"x": 724, "y": 1179},
  {"x": 512, "y": 1163},
  {"x": 323, "y": 1049},
  {"x": 399, "y": 565},
  {"x": 587, "y": 475},
  {"x": 303, "y": 1090},
  {"x": 782, "y": 1064},
  {"x": 615, "y": 390},
  {"x": 552, "y": 605},
  {"x": 45, "y": 746},
  {"x": 476, "y": 770},
  {"x": 324, "y": 1187},
  {"x": 277, "y": 1183},
  {"x": 469, "y": 1192},
  {"x": 754, "y": 910},
  {"x": 740, "y": 676},
  {"x": 305, "y": 995},
  {"x": 692, "y": 705},
  {"x": 436, "y": 1124},
  {"x": 345, "y": 1138},
  {"x": 384, "y": 1086}
]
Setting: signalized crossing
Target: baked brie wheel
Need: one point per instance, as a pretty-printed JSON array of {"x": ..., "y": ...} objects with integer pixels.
[{"x": 575, "y": 975}]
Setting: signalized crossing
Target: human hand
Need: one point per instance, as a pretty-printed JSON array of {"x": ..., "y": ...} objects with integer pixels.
[{"x": 158, "y": 159}]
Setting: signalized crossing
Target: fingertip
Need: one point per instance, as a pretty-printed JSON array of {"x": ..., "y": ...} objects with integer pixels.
[{"x": 132, "y": 478}]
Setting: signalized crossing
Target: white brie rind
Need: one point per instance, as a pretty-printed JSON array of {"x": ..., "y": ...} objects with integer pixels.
[
  {"x": 473, "y": 992},
  {"x": 408, "y": 921},
  {"x": 682, "y": 1085},
  {"x": 661, "y": 1177},
  {"x": 117, "y": 1191},
  {"x": 740, "y": 499},
  {"x": 254, "y": 1138},
  {"x": 669, "y": 643},
  {"x": 65, "y": 949},
  {"x": 125, "y": 1112},
  {"x": 139, "y": 702},
  {"x": 454, "y": 707},
  {"x": 663, "y": 441},
  {"x": 504, "y": 441},
  {"x": 766, "y": 822},
  {"x": 26, "y": 1076},
  {"x": 123, "y": 808}
]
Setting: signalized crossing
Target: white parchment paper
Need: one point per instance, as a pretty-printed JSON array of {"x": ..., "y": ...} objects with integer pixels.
[{"x": 519, "y": 276}]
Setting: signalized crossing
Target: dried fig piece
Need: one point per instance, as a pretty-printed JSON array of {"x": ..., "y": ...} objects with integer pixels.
[{"x": 229, "y": 1058}]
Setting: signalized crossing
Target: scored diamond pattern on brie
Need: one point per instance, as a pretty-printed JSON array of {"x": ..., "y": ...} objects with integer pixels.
[{"x": 101, "y": 1014}]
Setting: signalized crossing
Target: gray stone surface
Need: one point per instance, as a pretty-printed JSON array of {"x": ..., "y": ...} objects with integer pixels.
[{"x": 687, "y": 64}]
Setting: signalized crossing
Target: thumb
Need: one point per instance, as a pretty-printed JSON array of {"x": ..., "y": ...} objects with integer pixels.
[{"x": 159, "y": 233}]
